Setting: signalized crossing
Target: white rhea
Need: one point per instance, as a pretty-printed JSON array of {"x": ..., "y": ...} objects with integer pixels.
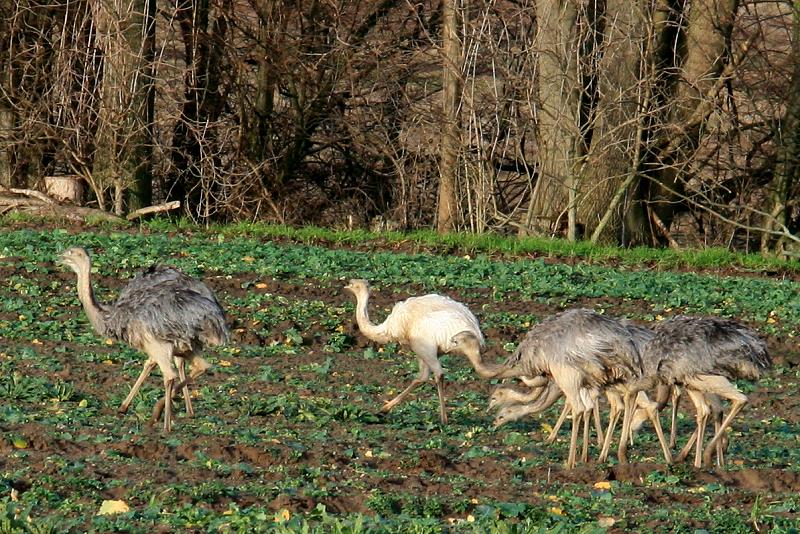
[{"x": 424, "y": 324}]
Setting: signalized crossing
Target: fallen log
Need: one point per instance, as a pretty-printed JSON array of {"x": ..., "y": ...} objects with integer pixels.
[
  {"x": 175, "y": 204},
  {"x": 37, "y": 203},
  {"x": 52, "y": 209}
]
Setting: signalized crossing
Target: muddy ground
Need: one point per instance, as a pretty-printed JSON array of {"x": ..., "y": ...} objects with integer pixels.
[{"x": 269, "y": 430}]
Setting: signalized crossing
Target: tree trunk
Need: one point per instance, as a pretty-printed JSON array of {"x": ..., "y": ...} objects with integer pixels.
[
  {"x": 451, "y": 127},
  {"x": 702, "y": 55},
  {"x": 787, "y": 172},
  {"x": 259, "y": 142},
  {"x": 616, "y": 132},
  {"x": 559, "y": 130},
  {"x": 204, "y": 100},
  {"x": 122, "y": 156},
  {"x": 141, "y": 194},
  {"x": 6, "y": 142}
]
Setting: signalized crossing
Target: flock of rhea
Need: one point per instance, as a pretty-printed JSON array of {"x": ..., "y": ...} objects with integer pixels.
[{"x": 578, "y": 354}]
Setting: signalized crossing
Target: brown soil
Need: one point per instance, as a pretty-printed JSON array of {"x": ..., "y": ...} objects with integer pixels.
[{"x": 146, "y": 458}]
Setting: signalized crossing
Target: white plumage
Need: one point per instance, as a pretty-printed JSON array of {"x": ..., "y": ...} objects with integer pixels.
[{"x": 424, "y": 324}]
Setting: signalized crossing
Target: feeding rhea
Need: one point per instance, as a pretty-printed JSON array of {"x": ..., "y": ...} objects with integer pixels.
[
  {"x": 581, "y": 351},
  {"x": 703, "y": 355}
]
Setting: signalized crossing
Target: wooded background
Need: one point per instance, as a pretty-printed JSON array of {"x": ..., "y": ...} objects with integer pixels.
[{"x": 631, "y": 122}]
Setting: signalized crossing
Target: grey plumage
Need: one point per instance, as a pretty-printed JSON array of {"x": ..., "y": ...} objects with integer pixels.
[
  {"x": 703, "y": 355},
  {"x": 581, "y": 351},
  {"x": 642, "y": 408},
  {"x": 162, "y": 312},
  {"x": 641, "y": 336},
  {"x": 165, "y": 303},
  {"x": 586, "y": 353},
  {"x": 599, "y": 346},
  {"x": 686, "y": 346}
]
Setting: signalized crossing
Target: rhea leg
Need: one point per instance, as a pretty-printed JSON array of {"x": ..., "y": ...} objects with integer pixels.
[
  {"x": 701, "y": 417},
  {"x": 428, "y": 361},
  {"x": 615, "y": 409},
  {"x": 168, "y": 388},
  {"x": 675, "y": 396},
  {"x": 198, "y": 366},
  {"x": 573, "y": 440},
  {"x": 633, "y": 388},
  {"x": 550, "y": 396},
  {"x": 180, "y": 363},
  {"x": 627, "y": 416},
  {"x": 560, "y": 421},
  {"x": 712, "y": 400},
  {"x": 585, "y": 450},
  {"x": 146, "y": 370},
  {"x": 568, "y": 380},
  {"x": 440, "y": 390},
  {"x": 589, "y": 398},
  {"x": 161, "y": 353},
  {"x": 716, "y": 410},
  {"x": 429, "y": 354},
  {"x": 438, "y": 377},
  {"x": 652, "y": 412},
  {"x": 598, "y": 424},
  {"x": 717, "y": 425},
  {"x": 702, "y": 421},
  {"x": 725, "y": 389},
  {"x": 422, "y": 377},
  {"x": 700, "y": 407}
]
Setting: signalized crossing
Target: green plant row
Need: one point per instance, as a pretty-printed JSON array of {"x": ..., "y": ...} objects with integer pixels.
[
  {"x": 773, "y": 304},
  {"x": 488, "y": 243}
]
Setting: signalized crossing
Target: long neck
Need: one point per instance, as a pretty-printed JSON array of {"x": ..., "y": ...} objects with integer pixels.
[
  {"x": 94, "y": 310},
  {"x": 374, "y": 332},
  {"x": 486, "y": 369}
]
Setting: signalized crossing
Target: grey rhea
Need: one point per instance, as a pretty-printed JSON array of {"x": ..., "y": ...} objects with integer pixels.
[
  {"x": 515, "y": 403},
  {"x": 703, "y": 355},
  {"x": 424, "y": 324},
  {"x": 161, "y": 312},
  {"x": 581, "y": 351}
]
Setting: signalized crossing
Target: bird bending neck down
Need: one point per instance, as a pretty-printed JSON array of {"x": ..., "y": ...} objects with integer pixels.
[{"x": 468, "y": 344}]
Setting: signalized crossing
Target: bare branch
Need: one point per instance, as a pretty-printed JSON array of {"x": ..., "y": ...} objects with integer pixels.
[{"x": 141, "y": 212}]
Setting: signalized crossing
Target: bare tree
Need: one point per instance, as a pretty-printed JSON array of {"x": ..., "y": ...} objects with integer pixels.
[
  {"x": 203, "y": 28},
  {"x": 783, "y": 211},
  {"x": 624, "y": 86},
  {"x": 125, "y": 39},
  {"x": 451, "y": 125},
  {"x": 654, "y": 122},
  {"x": 561, "y": 144}
]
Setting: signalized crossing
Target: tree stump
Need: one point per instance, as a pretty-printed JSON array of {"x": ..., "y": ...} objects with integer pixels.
[{"x": 67, "y": 188}]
